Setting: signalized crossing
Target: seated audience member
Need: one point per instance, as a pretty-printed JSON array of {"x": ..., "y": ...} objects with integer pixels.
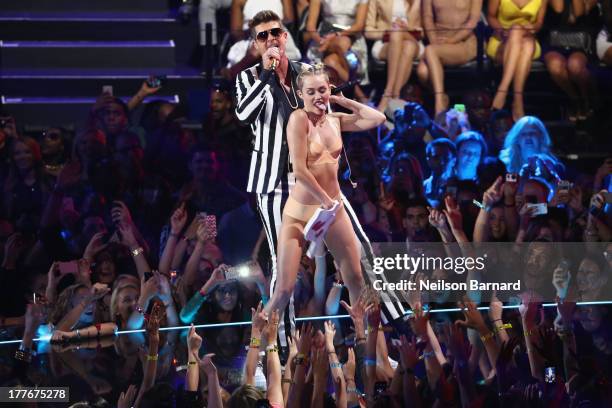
[
  {"x": 243, "y": 53},
  {"x": 207, "y": 14},
  {"x": 571, "y": 28},
  {"x": 396, "y": 28},
  {"x": 330, "y": 44},
  {"x": 471, "y": 150},
  {"x": 441, "y": 155},
  {"x": 449, "y": 28},
  {"x": 603, "y": 43},
  {"x": 527, "y": 138},
  {"x": 513, "y": 45}
]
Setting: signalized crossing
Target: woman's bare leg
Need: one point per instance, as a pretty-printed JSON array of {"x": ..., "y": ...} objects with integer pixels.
[
  {"x": 510, "y": 52},
  {"x": 409, "y": 51},
  {"x": 335, "y": 62},
  {"x": 580, "y": 75},
  {"x": 520, "y": 76},
  {"x": 423, "y": 72},
  {"x": 394, "y": 51},
  {"x": 344, "y": 246},
  {"x": 437, "y": 56},
  {"x": 290, "y": 249},
  {"x": 556, "y": 64}
]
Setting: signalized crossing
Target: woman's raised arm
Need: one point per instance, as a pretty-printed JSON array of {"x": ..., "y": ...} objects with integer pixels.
[{"x": 362, "y": 117}]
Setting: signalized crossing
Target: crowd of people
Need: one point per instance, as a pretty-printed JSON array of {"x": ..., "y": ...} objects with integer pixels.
[
  {"x": 134, "y": 225},
  {"x": 570, "y": 37}
]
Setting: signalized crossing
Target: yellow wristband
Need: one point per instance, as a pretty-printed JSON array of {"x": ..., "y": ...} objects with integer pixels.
[
  {"x": 501, "y": 327},
  {"x": 152, "y": 357}
]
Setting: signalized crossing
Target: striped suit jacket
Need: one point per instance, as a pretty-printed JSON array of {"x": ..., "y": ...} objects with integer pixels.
[{"x": 262, "y": 103}]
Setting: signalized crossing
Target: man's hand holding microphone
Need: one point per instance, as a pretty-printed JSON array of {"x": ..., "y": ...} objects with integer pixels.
[{"x": 271, "y": 58}]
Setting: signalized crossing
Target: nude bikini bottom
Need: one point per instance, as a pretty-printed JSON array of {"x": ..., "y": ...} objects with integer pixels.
[{"x": 299, "y": 211}]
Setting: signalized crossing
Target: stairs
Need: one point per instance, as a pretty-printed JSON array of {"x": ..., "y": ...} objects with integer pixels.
[{"x": 56, "y": 55}]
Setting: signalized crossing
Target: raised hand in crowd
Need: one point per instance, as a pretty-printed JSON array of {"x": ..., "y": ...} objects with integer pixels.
[{"x": 126, "y": 398}]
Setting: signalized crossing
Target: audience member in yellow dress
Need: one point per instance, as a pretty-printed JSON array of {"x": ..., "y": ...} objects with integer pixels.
[{"x": 513, "y": 44}]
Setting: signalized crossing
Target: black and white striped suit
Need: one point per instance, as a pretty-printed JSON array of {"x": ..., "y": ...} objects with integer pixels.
[{"x": 263, "y": 104}]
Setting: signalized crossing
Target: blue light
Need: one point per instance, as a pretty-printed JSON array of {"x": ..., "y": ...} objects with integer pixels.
[{"x": 44, "y": 333}]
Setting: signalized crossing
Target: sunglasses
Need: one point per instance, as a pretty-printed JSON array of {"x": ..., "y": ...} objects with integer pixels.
[{"x": 263, "y": 35}]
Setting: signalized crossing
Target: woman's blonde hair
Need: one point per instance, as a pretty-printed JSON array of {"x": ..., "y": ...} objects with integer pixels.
[
  {"x": 115, "y": 297},
  {"x": 311, "y": 70},
  {"x": 245, "y": 396}
]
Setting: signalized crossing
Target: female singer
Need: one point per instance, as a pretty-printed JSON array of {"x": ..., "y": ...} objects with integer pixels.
[{"x": 315, "y": 146}]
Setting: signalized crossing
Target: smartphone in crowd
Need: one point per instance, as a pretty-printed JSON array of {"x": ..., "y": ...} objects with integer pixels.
[
  {"x": 511, "y": 177},
  {"x": 211, "y": 223},
  {"x": 156, "y": 81},
  {"x": 564, "y": 186},
  {"x": 237, "y": 272},
  {"x": 540, "y": 209},
  {"x": 107, "y": 89},
  {"x": 459, "y": 107},
  {"x": 549, "y": 375},
  {"x": 451, "y": 191},
  {"x": 67, "y": 268}
]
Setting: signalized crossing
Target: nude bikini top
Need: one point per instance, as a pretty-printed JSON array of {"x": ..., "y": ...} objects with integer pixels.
[{"x": 321, "y": 155}]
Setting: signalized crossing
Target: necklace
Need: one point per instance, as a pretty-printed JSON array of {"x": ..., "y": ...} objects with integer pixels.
[{"x": 287, "y": 95}]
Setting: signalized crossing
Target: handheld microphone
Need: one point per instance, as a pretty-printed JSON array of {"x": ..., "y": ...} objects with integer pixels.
[
  {"x": 345, "y": 86},
  {"x": 274, "y": 63}
]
